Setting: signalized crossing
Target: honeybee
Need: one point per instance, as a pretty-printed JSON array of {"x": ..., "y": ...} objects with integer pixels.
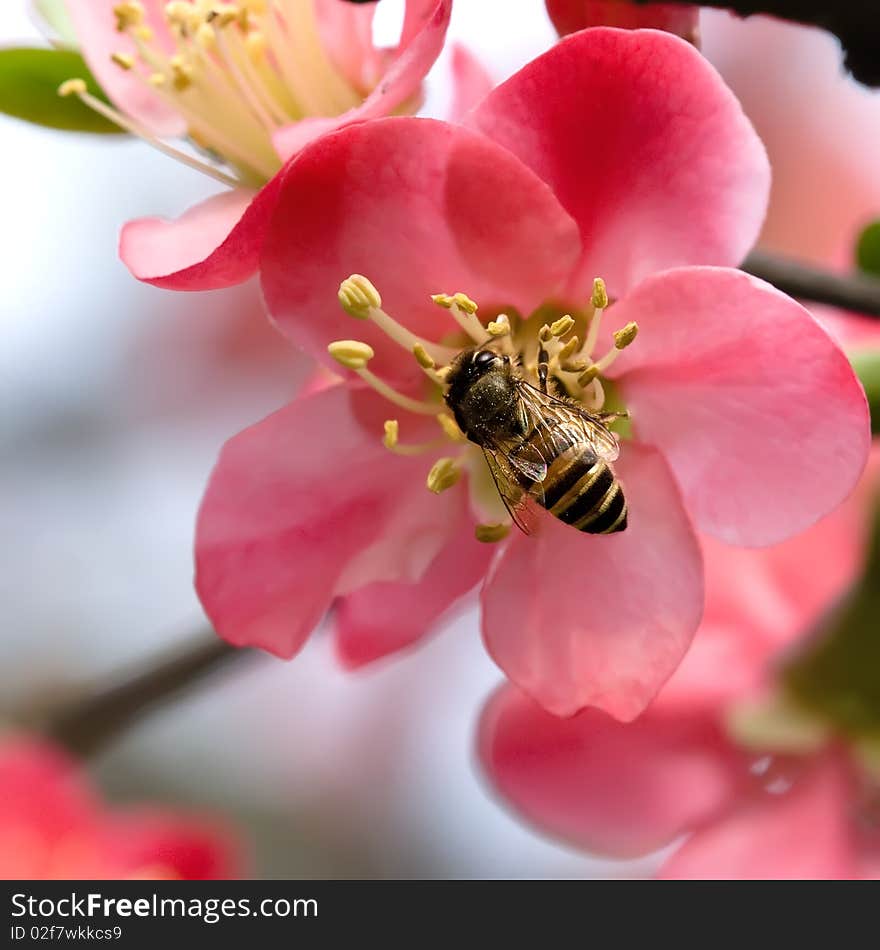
[{"x": 538, "y": 447}]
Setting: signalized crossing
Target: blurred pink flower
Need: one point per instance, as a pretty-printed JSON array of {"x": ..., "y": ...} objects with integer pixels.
[
  {"x": 250, "y": 83},
  {"x": 820, "y": 127},
  {"x": 53, "y": 825},
  {"x": 783, "y": 804},
  {"x": 617, "y": 153},
  {"x": 569, "y": 16}
]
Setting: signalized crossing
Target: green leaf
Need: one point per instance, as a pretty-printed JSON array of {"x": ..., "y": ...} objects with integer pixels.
[
  {"x": 868, "y": 249},
  {"x": 866, "y": 363},
  {"x": 54, "y": 14},
  {"x": 29, "y": 81}
]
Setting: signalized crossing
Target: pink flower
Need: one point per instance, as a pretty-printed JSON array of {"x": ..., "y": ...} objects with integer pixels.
[
  {"x": 819, "y": 126},
  {"x": 618, "y": 153},
  {"x": 569, "y": 16},
  {"x": 52, "y": 825},
  {"x": 249, "y": 83},
  {"x": 764, "y": 788}
]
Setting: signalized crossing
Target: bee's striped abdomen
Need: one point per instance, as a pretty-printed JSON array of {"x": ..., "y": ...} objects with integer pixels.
[{"x": 581, "y": 490}]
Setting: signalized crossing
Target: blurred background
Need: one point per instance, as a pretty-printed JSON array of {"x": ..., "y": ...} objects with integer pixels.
[{"x": 115, "y": 398}]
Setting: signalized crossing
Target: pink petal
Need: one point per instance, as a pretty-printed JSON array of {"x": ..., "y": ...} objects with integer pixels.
[
  {"x": 644, "y": 146},
  {"x": 148, "y": 842},
  {"x": 417, "y": 15},
  {"x": 400, "y": 84},
  {"x": 755, "y": 406},
  {"x": 471, "y": 83},
  {"x": 308, "y": 505},
  {"x": 419, "y": 207},
  {"x": 347, "y": 34},
  {"x": 802, "y": 833},
  {"x": 581, "y": 620},
  {"x": 424, "y": 31},
  {"x": 95, "y": 27},
  {"x": 213, "y": 244},
  {"x": 569, "y": 16},
  {"x": 48, "y": 813},
  {"x": 385, "y": 617},
  {"x": 819, "y": 126},
  {"x": 608, "y": 787},
  {"x": 292, "y": 139},
  {"x": 42, "y": 787}
]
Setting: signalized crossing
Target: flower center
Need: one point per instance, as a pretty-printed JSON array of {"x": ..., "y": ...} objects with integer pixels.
[
  {"x": 549, "y": 355},
  {"x": 235, "y": 72}
]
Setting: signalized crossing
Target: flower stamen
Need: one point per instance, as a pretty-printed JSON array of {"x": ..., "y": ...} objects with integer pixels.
[
  {"x": 622, "y": 339},
  {"x": 445, "y": 473},
  {"x": 599, "y": 302},
  {"x": 77, "y": 87},
  {"x": 491, "y": 533},
  {"x": 359, "y": 298},
  {"x": 354, "y": 355},
  {"x": 391, "y": 436},
  {"x": 464, "y": 312}
]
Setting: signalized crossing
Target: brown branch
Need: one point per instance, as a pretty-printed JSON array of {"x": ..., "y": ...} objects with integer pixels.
[
  {"x": 86, "y": 725},
  {"x": 858, "y": 293}
]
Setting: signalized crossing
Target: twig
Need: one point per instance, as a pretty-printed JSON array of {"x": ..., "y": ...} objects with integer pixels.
[
  {"x": 87, "y": 725},
  {"x": 858, "y": 293}
]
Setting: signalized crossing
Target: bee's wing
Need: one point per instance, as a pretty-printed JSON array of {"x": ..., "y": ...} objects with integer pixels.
[
  {"x": 563, "y": 425},
  {"x": 518, "y": 503}
]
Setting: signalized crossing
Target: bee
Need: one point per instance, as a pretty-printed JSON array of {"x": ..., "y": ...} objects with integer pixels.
[{"x": 539, "y": 447}]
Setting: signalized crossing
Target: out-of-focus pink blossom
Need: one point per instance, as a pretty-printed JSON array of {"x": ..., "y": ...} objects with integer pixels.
[
  {"x": 53, "y": 825},
  {"x": 618, "y": 153},
  {"x": 569, "y": 16},
  {"x": 789, "y": 799},
  {"x": 249, "y": 84},
  {"x": 820, "y": 127}
]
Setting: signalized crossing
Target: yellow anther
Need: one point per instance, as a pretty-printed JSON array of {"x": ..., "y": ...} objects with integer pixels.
[
  {"x": 256, "y": 44},
  {"x": 463, "y": 302},
  {"x": 157, "y": 80},
  {"x": 625, "y": 335},
  {"x": 72, "y": 87},
  {"x": 442, "y": 300},
  {"x": 123, "y": 60},
  {"x": 600, "y": 294},
  {"x": 423, "y": 357},
  {"x": 205, "y": 36},
  {"x": 491, "y": 533},
  {"x": 392, "y": 433},
  {"x": 450, "y": 428},
  {"x": 561, "y": 326},
  {"x": 357, "y": 296},
  {"x": 351, "y": 353},
  {"x": 143, "y": 32},
  {"x": 573, "y": 366},
  {"x": 444, "y": 474},
  {"x": 128, "y": 15},
  {"x": 499, "y": 327},
  {"x": 588, "y": 375},
  {"x": 544, "y": 333},
  {"x": 178, "y": 13},
  {"x": 225, "y": 13},
  {"x": 181, "y": 73},
  {"x": 443, "y": 372},
  {"x": 569, "y": 349}
]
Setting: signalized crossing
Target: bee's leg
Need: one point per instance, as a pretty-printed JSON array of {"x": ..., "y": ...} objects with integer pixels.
[
  {"x": 543, "y": 366},
  {"x": 606, "y": 417}
]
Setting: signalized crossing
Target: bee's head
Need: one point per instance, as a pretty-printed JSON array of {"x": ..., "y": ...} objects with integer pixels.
[{"x": 474, "y": 364}]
